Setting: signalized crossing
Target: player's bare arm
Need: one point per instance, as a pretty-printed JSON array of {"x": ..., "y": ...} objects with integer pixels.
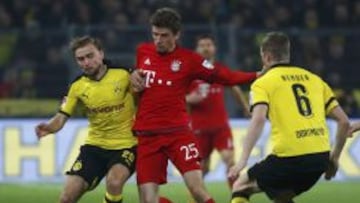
[
  {"x": 343, "y": 126},
  {"x": 239, "y": 95},
  {"x": 52, "y": 126},
  {"x": 256, "y": 125},
  {"x": 137, "y": 80},
  {"x": 194, "y": 98}
]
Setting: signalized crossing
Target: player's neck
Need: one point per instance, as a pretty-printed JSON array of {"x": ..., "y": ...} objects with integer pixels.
[
  {"x": 172, "y": 49},
  {"x": 275, "y": 63},
  {"x": 102, "y": 71}
]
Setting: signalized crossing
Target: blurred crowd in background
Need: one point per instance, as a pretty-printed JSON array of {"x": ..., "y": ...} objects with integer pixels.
[{"x": 36, "y": 63}]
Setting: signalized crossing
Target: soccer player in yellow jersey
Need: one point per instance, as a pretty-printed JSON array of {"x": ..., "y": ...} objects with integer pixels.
[
  {"x": 296, "y": 103},
  {"x": 109, "y": 148}
]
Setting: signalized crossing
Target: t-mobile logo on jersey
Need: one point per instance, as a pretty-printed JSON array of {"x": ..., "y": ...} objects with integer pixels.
[{"x": 150, "y": 79}]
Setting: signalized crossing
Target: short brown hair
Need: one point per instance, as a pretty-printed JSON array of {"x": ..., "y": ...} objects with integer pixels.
[
  {"x": 166, "y": 18},
  {"x": 205, "y": 36},
  {"x": 277, "y": 44},
  {"x": 79, "y": 42}
]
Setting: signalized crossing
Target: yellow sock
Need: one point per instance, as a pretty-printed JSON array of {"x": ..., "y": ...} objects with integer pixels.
[
  {"x": 109, "y": 198},
  {"x": 239, "y": 200}
]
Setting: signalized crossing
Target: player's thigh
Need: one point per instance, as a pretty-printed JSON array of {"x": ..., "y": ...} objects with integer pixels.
[
  {"x": 183, "y": 151},
  {"x": 151, "y": 162},
  {"x": 121, "y": 166},
  {"x": 89, "y": 165},
  {"x": 194, "y": 181},
  {"x": 205, "y": 144},
  {"x": 223, "y": 139},
  {"x": 75, "y": 187}
]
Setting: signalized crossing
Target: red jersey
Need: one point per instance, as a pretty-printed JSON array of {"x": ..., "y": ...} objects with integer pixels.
[
  {"x": 162, "y": 105},
  {"x": 210, "y": 113}
]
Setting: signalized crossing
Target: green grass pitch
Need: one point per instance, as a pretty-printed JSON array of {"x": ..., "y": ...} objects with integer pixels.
[{"x": 323, "y": 192}]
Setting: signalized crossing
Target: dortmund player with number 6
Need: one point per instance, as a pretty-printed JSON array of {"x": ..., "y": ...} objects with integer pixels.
[{"x": 296, "y": 102}]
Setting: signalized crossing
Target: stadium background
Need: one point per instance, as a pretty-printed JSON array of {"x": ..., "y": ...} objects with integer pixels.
[{"x": 36, "y": 66}]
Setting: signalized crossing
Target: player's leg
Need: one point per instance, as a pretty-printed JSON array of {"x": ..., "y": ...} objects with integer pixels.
[
  {"x": 151, "y": 165},
  {"x": 205, "y": 148},
  {"x": 195, "y": 183},
  {"x": 149, "y": 192},
  {"x": 243, "y": 188},
  {"x": 183, "y": 152},
  {"x": 75, "y": 187},
  {"x": 223, "y": 142},
  {"x": 122, "y": 165},
  {"x": 84, "y": 175}
]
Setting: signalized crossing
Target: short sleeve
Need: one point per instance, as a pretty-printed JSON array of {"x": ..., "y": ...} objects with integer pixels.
[
  {"x": 69, "y": 102},
  {"x": 329, "y": 99},
  {"x": 258, "y": 95}
]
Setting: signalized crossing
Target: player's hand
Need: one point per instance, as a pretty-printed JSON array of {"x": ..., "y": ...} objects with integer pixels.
[
  {"x": 332, "y": 168},
  {"x": 137, "y": 79},
  {"x": 351, "y": 130},
  {"x": 42, "y": 130},
  {"x": 235, "y": 170}
]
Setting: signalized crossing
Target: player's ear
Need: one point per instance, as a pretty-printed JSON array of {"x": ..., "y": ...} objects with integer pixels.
[
  {"x": 177, "y": 35},
  {"x": 101, "y": 53}
]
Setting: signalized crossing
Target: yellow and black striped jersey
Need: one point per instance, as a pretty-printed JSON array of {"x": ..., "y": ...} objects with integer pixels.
[
  {"x": 298, "y": 102},
  {"x": 109, "y": 107}
]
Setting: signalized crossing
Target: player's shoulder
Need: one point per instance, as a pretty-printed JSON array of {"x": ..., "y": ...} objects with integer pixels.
[
  {"x": 77, "y": 79},
  {"x": 187, "y": 52},
  {"x": 116, "y": 65}
]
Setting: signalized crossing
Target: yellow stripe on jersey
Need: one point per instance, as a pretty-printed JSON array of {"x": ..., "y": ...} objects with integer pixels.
[
  {"x": 298, "y": 102},
  {"x": 109, "y": 107}
]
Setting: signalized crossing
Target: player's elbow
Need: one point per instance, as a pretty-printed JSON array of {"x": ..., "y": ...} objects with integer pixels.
[{"x": 344, "y": 123}]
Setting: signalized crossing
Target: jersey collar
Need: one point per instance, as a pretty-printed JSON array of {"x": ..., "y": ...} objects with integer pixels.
[{"x": 280, "y": 64}]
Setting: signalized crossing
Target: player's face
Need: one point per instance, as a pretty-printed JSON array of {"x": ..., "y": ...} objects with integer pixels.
[
  {"x": 164, "y": 39},
  {"x": 206, "y": 48},
  {"x": 90, "y": 59}
]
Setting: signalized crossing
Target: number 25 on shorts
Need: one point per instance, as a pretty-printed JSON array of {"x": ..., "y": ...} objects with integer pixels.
[{"x": 190, "y": 151}]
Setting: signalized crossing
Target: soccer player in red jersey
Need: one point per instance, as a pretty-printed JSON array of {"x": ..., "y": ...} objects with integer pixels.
[
  {"x": 162, "y": 78},
  {"x": 209, "y": 118}
]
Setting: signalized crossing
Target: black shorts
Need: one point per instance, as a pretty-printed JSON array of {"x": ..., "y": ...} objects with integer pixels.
[
  {"x": 93, "y": 162},
  {"x": 298, "y": 174}
]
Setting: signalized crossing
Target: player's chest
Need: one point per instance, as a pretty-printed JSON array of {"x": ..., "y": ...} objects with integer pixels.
[
  {"x": 164, "y": 72},
  {"x": 94, "y": 93}
]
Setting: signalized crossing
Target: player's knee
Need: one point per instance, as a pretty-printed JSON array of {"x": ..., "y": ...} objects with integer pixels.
[
  {"x": 204, "y": 169},
  {"x": 115, "y": 185},
  {"x": 228, "y": 159},
  {"x": 198, "y": 192},
  {"x": 148, "y": 198}
]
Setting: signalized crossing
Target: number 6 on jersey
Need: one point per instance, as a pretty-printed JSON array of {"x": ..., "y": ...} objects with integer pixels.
[{"x": 190, "y": 151}]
